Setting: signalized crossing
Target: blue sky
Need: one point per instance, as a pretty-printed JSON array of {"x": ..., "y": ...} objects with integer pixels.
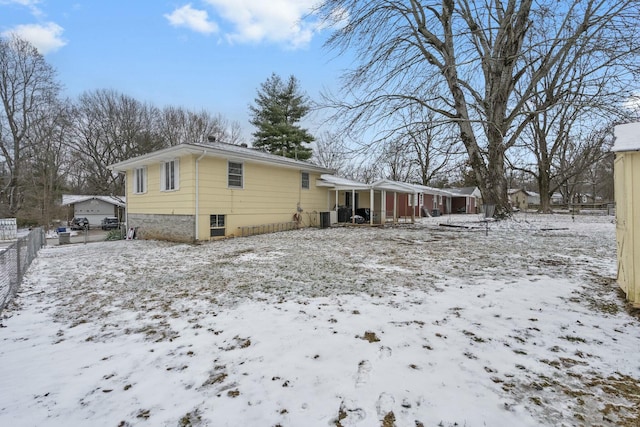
[{"x": 199, "y": 54}]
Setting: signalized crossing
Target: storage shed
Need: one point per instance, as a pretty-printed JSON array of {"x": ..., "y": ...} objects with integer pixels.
[{"x": 627, "y": 194}]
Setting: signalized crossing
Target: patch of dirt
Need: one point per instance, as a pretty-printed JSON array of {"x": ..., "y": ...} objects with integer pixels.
[
  {"x": 370, "y": 336},
  {"x": 389, "y": 420}
]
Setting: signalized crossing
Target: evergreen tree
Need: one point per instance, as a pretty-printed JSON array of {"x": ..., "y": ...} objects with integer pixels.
[{"x": 278, "y": 108}]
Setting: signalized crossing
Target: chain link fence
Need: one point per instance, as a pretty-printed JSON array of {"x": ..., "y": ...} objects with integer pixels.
[{"x": 15, "y": 259}]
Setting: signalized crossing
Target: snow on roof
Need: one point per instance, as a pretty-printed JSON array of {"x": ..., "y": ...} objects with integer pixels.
[
  {"x": 627, "y": 137},
  {"x": 228, "y": 151},
  {"x": 464, "y": 191},
  {"x": 71, "y": 199},
  {"x": 340, "y": 183}
]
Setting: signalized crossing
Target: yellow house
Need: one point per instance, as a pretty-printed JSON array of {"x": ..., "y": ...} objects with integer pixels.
[
  {"x": 518, "y": 198},
  {"x": 627, "y": 195},
  {"x": 198, "y": 192}
]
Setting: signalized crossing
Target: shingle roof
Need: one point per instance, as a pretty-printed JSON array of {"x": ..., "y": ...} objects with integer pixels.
[
  {"x": 72, "y": 199},
  {"x": 215, "y": 149}
]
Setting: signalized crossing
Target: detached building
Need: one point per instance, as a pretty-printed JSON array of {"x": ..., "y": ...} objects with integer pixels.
[
  {"x": 94, "y": 208},
  {"x": 627, "y": 195}
]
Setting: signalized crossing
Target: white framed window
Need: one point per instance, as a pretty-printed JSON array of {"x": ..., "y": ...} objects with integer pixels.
[
  {"x": 435, "y": 202},
  {"x": 305, "y": 180},
  {"x": 235, "y": 175},
  {"x": 169, "y": 175},
  {"x": 217, "y": 225},
  {"x": 140, "y": 180}
]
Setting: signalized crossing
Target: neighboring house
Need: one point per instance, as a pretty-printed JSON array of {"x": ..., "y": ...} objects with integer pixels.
[
  {"x": 192, "y": 192},
  {"x": 557, "y": 199},
  {"x": 533, "y": 198},
  {"x": 465, "y": 199},
  {"x": 94, "y": 208},
  {"x": 517, "y": 198},
  {"x": 627, "y": 194}
]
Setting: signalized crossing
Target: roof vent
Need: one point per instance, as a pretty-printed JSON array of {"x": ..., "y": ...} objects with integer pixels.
[{"x": 211, "y": 138}]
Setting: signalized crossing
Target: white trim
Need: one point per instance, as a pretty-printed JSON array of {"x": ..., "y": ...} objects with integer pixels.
[
  {"x": 176, "y": 175},
  {"x": 136, "y": 179},
  {"x": 241, "y": 175}
]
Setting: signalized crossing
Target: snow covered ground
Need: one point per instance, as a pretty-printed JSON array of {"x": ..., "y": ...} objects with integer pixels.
[{"x": 415, "y": 325}]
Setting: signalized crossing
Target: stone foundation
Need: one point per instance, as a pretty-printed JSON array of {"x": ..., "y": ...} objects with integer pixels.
[{"x": 175, "y": 228}]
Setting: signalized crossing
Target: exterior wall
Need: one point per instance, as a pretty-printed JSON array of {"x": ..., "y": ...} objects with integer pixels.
[
  {"x": 402, "y": 207},
  {"x": 519, "y": 199},
  {"x": 156, "y": 201},
  {"x": 94, "y": 210},
  {"x": 627, "y": 195},
  {"x": 270, "y": 194}
]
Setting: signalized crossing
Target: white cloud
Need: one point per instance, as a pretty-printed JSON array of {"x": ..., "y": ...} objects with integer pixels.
[
  {"x": 279, "y": 21},
  {"x": 633, "y": 102},
  {"x": 45, "y": 37},
  {"x": 194, "y": 19},
  {"x": 31, "y": 4}
]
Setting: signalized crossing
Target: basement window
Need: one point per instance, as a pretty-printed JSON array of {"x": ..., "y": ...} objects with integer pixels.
[{"x": 217, "y": 225}]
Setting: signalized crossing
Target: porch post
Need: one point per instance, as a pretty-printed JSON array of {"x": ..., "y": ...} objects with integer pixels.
[
  {"x": 414, "y": 202},
  {"x": 371, "y": 204},
  {"x": 395, "y": 207},
  {"x": 383, "y": 207},
  {"x": 353, "y": 206}
]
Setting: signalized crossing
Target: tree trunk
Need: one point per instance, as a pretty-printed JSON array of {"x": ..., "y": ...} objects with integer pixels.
[{"x": 544, "y": 187}]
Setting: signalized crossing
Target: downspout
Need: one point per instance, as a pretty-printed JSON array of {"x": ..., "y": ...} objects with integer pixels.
[
  {"x": 197, "y": 211},
  {"x": 126, "y": 197}
]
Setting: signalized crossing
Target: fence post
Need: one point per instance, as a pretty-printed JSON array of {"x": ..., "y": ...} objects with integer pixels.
[{"x": 18, "y": 272}]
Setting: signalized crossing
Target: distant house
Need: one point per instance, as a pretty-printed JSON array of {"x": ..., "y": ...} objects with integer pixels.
[
  {"x": 94, "y": 208},
  {"x": 519, "y": 198},
  {"x": 557, "y": 199},
  {"x": 627, "y": 194},
  {"x": 192, "y": 192},
  {"x": 465, "y": 199}
]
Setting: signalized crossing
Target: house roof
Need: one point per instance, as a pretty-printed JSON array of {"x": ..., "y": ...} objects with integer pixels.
[
  {"x": 216, "y": 149},
  {"x": 464, "y": 191},
  {"x": 627, "y": 137},
  {"x": 345, "y": 184},
  {"x": 339, "y": 183},
  {"x": 72, "y": 199}
]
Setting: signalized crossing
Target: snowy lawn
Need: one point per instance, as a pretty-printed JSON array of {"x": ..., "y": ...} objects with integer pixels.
[{"x": 415, "y": 325}]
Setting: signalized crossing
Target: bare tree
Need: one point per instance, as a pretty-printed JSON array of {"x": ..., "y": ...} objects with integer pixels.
[
  {"x": 27, "y": 85},
  {"x": 578, "y": 155},
  {"x": 111, "y": 127},
  {"x": 398, "y": 162},
  {"x": 178, "y": 126},
  {"x": 473, "y": 52},
  {"x": 331, "y": 152},
  {"x": 48, "y": 163},
  {"x": 430, "y": 146},
  {"x": 581, "y": 91}
]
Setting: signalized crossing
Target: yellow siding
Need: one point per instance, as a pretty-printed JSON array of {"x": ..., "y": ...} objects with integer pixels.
[
  {"x": 627, "y": 190},
  {"x": 270, "y": 194},
  {"x": 155, "y": 201}
]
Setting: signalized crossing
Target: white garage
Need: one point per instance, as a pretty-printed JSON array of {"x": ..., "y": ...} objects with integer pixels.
[{"x": 94, "y": 208}]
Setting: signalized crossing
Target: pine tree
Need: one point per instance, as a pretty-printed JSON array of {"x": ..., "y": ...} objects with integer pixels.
[{"x": 278, "y": 108}]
